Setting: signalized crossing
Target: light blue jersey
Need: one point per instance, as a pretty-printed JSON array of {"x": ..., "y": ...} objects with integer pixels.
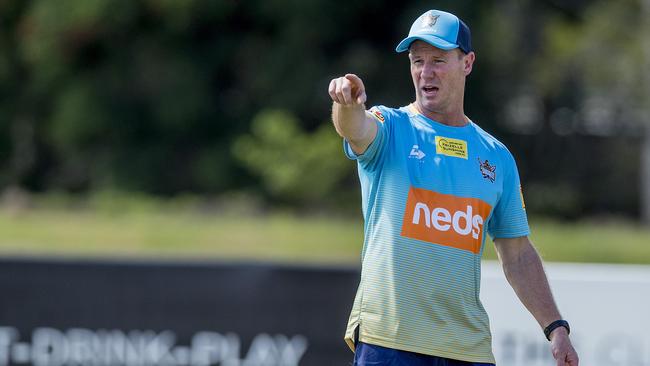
[{"x": 430, "y": 193}]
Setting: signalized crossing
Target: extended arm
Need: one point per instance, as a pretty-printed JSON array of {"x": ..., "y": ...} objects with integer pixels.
[
  {"x": 349, "y": 112},
  {"x": 525, "y": 273}
]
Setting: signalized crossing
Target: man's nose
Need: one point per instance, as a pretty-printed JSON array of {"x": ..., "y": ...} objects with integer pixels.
[{"x": 427, "y": 71}]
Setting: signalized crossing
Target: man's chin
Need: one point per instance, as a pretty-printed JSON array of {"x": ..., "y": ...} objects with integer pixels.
[{"x": 426, "y": 106}]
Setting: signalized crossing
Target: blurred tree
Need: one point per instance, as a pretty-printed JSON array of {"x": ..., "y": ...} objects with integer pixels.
[
  {"x": 122, "y": 91},
  {"x": 296, "y": 167},
  {"x": 645, "y": 151},
  {"x": 155, "y": 95},
  {"x": 571, "y": 101},
  {"x": 595, "y": 67},
  {"x": 17, "y": 129}
]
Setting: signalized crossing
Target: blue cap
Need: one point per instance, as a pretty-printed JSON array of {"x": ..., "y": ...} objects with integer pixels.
[{"x": 439, "y": 29}]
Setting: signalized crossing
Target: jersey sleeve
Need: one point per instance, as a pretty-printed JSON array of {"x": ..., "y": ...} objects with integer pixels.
[
  {"x": 372, "y": 157},
  {"x": 509, "y": 216}
]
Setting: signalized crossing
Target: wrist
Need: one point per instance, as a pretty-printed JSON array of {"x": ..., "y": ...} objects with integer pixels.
[
  {"x": 555, "y": 327},
  {"x": 558, "y": 332},
  {"x": 351, "y": 106}
]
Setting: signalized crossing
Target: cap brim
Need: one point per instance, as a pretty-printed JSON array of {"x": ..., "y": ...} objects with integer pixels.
[{"x": 432, "y": 40}]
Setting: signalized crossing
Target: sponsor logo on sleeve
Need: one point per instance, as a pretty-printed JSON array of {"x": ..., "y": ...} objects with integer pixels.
[
  {"x": 377, "y": 114},
  {"x": 445, "y": 219},
  {"x": 451, "y": 147}
]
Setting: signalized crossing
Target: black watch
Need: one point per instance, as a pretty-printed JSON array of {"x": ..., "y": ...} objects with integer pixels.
[{"x": 556, "y": 324}]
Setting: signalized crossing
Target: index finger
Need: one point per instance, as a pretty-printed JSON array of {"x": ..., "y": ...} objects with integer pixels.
[{"x": 354, "y": 79}]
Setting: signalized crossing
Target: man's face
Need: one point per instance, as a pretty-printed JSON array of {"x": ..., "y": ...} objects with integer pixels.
[{"x": 439, "y": 77}]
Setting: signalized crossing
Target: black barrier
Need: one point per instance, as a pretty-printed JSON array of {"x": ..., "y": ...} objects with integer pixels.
[{"x": 55, "y": 313}]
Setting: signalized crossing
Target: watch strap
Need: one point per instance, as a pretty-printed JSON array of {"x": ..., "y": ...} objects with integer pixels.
[{"x": 554, "y": 325}]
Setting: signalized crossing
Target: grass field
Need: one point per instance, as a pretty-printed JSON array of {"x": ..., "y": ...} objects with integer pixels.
[{"x": 161, "y": 231}]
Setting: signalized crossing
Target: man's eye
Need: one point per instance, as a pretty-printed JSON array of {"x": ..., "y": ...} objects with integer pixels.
[
  {"x": 417, "y": 62},
  {"x": 439, "y": 60}
]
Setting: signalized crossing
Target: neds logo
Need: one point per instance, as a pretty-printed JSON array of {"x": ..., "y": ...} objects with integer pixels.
[{"x": 445, "y": 219}]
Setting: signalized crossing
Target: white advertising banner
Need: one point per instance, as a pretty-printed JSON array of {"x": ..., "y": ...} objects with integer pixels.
[{"x": 608, "y": 307}]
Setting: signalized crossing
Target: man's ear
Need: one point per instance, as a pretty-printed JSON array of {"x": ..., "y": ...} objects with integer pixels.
[{"x": 468, "y": 62}]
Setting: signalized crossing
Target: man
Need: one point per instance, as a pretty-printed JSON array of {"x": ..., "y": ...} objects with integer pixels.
[{"x": 433, "y": 184}]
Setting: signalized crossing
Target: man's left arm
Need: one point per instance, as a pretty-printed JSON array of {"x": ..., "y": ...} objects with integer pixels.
[{"x": 525, "y": 273}]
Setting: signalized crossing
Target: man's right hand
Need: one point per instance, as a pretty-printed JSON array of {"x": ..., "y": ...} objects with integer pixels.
[
  {"x": 349, "y": 112},
  {"x": 348, "y": 90},
  {"x": 561, "y": 348}
]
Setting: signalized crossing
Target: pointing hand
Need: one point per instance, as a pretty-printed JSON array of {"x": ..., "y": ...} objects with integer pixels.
[{"x": 348, "y": 90}]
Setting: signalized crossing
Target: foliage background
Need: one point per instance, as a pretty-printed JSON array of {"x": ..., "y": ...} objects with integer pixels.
[{"x": 229, "y": 98}]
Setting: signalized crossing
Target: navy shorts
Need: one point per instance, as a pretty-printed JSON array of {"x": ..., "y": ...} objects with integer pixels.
[{"x": 371, "y": 355}]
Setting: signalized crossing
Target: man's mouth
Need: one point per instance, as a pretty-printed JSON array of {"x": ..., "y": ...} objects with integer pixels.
[{"x": 429, "y": 89}]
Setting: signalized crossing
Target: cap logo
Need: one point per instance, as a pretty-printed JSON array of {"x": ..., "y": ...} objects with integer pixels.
[{"x": 430, "y": 20}]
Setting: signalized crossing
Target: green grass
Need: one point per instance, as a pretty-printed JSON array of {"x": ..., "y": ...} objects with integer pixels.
[
  {"x": 274, "y": 237},
  {"x": 163, "y": 232},
  {"x": 598, "y": 241}
]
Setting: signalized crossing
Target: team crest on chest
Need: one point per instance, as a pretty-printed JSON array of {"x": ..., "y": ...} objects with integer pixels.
[{"x": 487, "y": 171}]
